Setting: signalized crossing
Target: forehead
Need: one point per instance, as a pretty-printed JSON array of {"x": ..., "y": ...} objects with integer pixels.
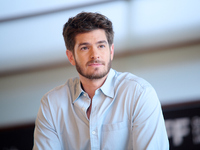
[{"x": 91, "y": 36}]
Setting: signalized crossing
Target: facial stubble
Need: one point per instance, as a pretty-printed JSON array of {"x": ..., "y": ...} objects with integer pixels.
[{"x": 93, "y": 76}]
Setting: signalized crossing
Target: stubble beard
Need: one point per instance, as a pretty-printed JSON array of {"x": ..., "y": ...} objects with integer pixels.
[{"x": 94, "y": 76}]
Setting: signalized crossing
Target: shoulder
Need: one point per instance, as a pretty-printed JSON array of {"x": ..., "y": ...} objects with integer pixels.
[
  {"x": 62, "y": 92},
  {"x": 137, "y": 89},
  {"x": 130, "y": 80},
  {"x": 68, "y": 85}
]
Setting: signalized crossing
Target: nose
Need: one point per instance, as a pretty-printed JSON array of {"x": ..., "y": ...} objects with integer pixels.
[{"x": 94, "y": 54}]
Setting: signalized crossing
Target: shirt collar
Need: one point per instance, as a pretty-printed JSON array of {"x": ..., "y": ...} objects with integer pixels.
[
  {"x": 107, "y": 88},
  {"x": 77, "y": 89}
]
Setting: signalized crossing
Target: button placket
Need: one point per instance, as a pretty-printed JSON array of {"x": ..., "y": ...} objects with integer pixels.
[
  {"x": 93, "y": 126},
  {"x": 86, "y": 104}
]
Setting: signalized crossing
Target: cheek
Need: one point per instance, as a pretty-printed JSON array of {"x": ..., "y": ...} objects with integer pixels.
[{"x": 80, "y": 60}]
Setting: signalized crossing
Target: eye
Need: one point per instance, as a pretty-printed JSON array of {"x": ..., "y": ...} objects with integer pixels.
[
  {"x": 101, "y": 46},
  {"x": 84, "y": 48}
]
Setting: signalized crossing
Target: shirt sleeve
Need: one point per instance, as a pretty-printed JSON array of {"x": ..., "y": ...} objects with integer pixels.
[
  {"x": 148, "y": 126},
  {"x": 45, "y": 135}
]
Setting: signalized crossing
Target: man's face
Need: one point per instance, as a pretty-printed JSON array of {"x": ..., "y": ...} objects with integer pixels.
[{"x": 92, "y": 54}]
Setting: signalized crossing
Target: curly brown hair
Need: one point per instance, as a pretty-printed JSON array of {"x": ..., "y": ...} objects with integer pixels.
[{"x": 86, "y": 22}]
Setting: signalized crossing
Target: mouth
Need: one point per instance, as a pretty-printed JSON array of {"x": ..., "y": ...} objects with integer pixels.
[{"x": 95, "y": 63}]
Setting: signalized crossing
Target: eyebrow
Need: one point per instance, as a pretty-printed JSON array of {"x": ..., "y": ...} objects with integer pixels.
[
  {"x": 99, "y": 42},
  {"x": 83, "y": 44},
  {"x": 103, "y": 41}
]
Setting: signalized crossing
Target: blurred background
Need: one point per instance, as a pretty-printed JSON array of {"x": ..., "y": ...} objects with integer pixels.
[{"x": 158, "y": 40}]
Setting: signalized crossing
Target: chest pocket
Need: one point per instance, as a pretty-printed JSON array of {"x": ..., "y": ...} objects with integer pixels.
[
  {"x": 116, "y": 136},
  {"x": 114, "y": 127}
]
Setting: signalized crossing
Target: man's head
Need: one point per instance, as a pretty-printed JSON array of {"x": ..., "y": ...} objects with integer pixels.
[{"x": 85, "y": 22}]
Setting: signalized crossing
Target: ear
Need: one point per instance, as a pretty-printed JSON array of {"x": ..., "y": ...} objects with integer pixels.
[
  {"x": 70, "y": 57},
  {"x": 112, "y": 51}
]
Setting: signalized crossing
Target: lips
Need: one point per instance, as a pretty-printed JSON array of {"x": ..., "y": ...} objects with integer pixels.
[{"x": 95, "y": 63}]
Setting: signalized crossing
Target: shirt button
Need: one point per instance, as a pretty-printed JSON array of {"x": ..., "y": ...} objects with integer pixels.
[
  {"x": 84, "y": 94},
  {"x": 93, "y": 132}
]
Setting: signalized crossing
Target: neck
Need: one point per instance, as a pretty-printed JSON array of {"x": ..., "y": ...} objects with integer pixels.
[{"x": 91, "y": 85}]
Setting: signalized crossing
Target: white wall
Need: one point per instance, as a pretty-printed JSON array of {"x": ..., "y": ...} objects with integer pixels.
[
  {"x": 138, "y": 24},
  {"x": 174, "y": 74}
]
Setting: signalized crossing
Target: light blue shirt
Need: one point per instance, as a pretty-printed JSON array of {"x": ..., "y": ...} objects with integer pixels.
[{"x": 126, "y": 114}]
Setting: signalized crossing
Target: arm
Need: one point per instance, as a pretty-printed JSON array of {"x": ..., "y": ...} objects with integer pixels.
[
  {"x": 148, "y": 128},
  {"x": 45, "y": 135}
]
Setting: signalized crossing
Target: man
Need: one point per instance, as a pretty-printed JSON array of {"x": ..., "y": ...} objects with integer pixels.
[{"x": 102, "y": 108}]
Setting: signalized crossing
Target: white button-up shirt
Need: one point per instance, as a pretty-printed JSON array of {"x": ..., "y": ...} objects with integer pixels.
[{"x": 126, "y": 114}]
